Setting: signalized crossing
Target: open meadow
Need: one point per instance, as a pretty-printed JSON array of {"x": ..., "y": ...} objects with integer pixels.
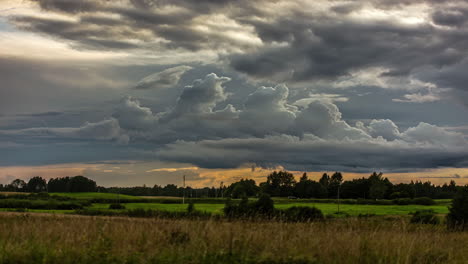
[
  {"x": 102, "y": 201},
  {"x": 83, "y": 228},
  {"x": 43, "y": 238}
]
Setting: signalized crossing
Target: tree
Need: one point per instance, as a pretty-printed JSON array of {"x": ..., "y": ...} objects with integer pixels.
[
  {"x": 242, "y": 188},
  {"x": 457, "y": 217},
  {"x": 334, "y": 184},
  {"x": 279, "y": 184},
  {"x": 380, "y": 187},
  {"x": 59, "y": 184},
  {"x": 306, "y": 188},
  {"x": 18, "y": 185},
  {"x": 377, "y": 190},
  {"x": 264, "y": 205},
  {"x": 325, "y": 180},
  {"x": 37, "y": 184},
  {"x": 82, "y": 184},
  {"x": 302, "y": 187}
]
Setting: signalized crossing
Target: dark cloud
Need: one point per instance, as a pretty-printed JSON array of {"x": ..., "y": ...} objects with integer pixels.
[
  {"x": 70, "y": 6},
  {"x": 310, "y": 133},
  {"x": 419, "y": 58},
  {"x": 450, "y": 17},
  {"x": 312, "y": 154}
]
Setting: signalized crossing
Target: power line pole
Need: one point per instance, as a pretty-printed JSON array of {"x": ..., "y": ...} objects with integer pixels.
[
  {"x": 183, "y": 195},
  {"x": 221, "y": 190},
  {"x": 339, "y": 185}
]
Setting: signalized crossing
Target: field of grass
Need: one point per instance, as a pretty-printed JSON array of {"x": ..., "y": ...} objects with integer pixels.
[
  {"x": 96, "y": 195},
  {"x": 63, "y": 239},
  {"x": 216, "y": 206},
  {"x": 327, "y": 208}
]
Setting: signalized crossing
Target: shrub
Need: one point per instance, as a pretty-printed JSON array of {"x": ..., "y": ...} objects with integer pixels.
[
  {"x": 425, "y": 217},
  {"x": 457, "y": 217},
  {"x": 116, "y": 206},
  {"x": 190, "y": 207},
  {"x": 423, "y": 201},
  {"x": 40, "y": 204},
  {"x": 302, "y": 214},
  {"x": 419, "y": 200},
  {"x": 402, "y": 201},
  {"x": 264, "y": 205}
]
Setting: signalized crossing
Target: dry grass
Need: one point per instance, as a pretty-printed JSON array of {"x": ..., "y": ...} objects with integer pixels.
[{"x": 32, "y": 238}]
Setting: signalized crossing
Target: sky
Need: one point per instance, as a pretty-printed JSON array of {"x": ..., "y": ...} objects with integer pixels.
[{"x": 133, "y": 92}]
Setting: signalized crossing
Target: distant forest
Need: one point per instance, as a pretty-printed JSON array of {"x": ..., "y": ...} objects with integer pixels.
[{"x": 278, "y": 184}]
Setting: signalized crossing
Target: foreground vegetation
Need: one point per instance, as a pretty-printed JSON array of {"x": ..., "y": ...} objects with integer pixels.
[{"x": 73, "y": 239}]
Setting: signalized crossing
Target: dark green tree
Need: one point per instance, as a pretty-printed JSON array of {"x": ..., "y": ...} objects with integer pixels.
[
  {"x": 335, "y": 181},
  {"x": 37, "y": 184},
  {"x": 242, "y": 188},
  {"x": 18, "y": 185},
  {"x": 264, "y": 205},
  {"x": 457, "y": 217},
  {"x": 82, "y": 184},
  {"x": 279, "y": 184}
]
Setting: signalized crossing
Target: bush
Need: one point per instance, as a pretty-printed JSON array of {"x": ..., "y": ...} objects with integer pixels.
[
  {"x": 402, "y": 201},
  {"x": 457, "y": 217},
  {"x": 425, "y": 217},
  {"x": 41, "y": 204},
  {"x": 302, "y": 214},
  {"x": 419, "y": 200},
  {"x": 190, "y": 207},
  {"x": 264, "y": 205},
  {"x": 116, "y": 206},
  {"x": 423, "y": 201}
]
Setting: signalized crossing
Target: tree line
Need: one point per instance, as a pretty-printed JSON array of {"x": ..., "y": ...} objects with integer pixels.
[
  {"x": 38, "y": 184},
  {"x": 278, "y": 184},
  {"x": 376, "y": 186}
]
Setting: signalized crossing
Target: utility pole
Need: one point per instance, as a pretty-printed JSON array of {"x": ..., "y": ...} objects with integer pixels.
[
  {"x": 339, "y": 185},
  {"x": 221, "y": 189},
  {"x": 183, "y": 195}
]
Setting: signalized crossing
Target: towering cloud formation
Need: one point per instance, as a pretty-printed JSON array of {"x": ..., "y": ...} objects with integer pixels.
[
  {"x": 164, "y": 79},
  {"x": 267, "y": 130}
]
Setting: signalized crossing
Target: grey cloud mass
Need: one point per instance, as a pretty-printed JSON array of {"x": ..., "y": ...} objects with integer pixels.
[{"x": 374, "y": 84}]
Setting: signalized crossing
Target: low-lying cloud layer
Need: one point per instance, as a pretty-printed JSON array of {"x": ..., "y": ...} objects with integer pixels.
[{"x": 267, "y": 131}]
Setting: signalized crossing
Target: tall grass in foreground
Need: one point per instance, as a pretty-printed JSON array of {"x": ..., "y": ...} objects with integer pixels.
[{"x": 64, "y": 239}]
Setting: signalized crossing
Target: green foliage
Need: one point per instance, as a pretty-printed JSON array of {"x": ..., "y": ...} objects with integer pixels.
[
  {"x": 71, "y": 184},
  {"x": 457, "y": 217},
  {"x": 263, "y": 207},
  {"x": 190, "y": 207},
  {"x": 423, "y": 201},
  {"x": 279, "y": 183},
  {"x": 419, "y": 200},
  {"x": 242, "y": 188},
  {"x": 302, "y": 214},
  {"x": 116, "y": 206},
  {"x": 41, "y": 204},
  {"x": 425, "y": 217},
  {"x": 36, "y": 184},
  {"x": 264, "y": 204},
  {"x": 306, "y": 188},
  {"x": 402, "y": 201}
]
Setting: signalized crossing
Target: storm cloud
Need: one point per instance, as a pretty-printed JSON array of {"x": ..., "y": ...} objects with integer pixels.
[{"x": 317, "y": 85}]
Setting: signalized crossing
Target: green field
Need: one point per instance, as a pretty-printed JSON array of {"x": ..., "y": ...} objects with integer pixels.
[
  {"x": 327, "y": 208},
  {"x": 96, "y": 195},
  {"x": 216, "y": 206}
]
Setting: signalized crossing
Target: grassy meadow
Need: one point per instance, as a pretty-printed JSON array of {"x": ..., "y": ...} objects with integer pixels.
[
  {"x": 43, "y": 238},
  {"x": 216, "y": 205},
  {"x": 326, "y": 208},
  {"x": 383, "y": 235}
]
